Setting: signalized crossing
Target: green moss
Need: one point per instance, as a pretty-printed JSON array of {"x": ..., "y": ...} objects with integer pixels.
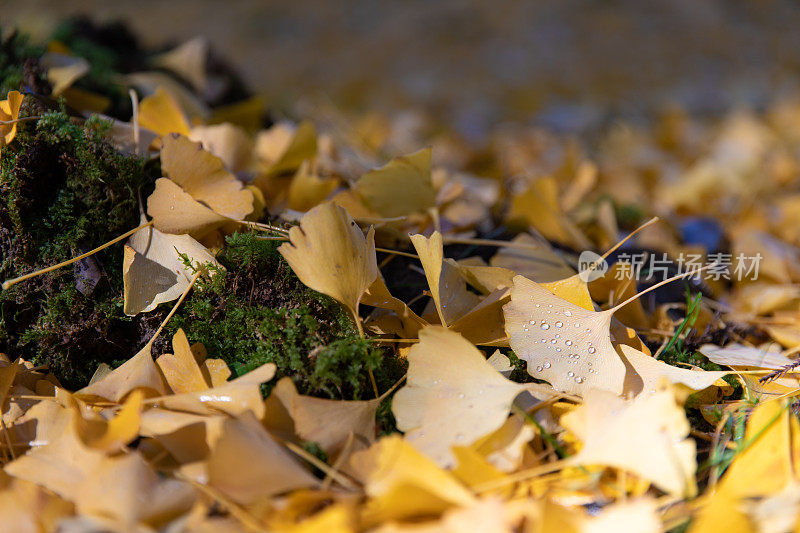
[
  {"x": 258, "y": 312},
  {"x": 63, "y": 191}
]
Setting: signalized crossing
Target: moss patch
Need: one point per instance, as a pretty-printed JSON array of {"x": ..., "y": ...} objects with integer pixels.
[{"x": 259, "y": 312}]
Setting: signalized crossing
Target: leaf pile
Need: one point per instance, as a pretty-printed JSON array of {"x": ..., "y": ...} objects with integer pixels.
[{"x": 533, "y": 399}]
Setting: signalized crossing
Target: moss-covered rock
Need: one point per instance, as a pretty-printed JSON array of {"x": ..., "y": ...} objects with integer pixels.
[{"x": 64, "y": 190}]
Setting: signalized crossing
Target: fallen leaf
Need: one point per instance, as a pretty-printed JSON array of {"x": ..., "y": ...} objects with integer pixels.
[
  {"x": 401, "y": 483},
  {"x": 9, "y": 112},
  {"x": 621, "y": 433},
  {"x": 564, "y": 344},
  {"x": 153, "y": 271},
  {"x": 138, "y": 372},
  {"x": 330, "y": 254},
  {"x": 200, "y": 194},
  {"x": 647, "y": 372},
  {"x": 247, "y": 464},
  {"x": 401, "y": 187},
  {"x": 160, "y": 113},
  {"x": 450, "y": 380}
]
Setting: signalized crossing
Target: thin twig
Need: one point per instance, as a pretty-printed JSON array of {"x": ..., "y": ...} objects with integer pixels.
[{"x": 11, "y": 282}]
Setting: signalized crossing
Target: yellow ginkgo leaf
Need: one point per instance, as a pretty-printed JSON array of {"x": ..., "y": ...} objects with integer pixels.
[
  {"x": 537, "y": 261},
  {"x": 153, "y": 271},
  {"x": 143, "y": 498},
  {"x": 9, "y": 112},
  {"x": 621, "y": 433},
  {"x": 284, "y": 147},
  {"x": 539, "y": 207},
  {"x": 138, "y": 372},
  {"x": 765, "y": 466},
  {"x": 161, "y": 113},
  {"x": 121, "y": 429},
  {"x": 401, "y": 187},
  {"x": 402, "y": 483},
  {"x": 639, "y": 515},
  {"x": 200, "y": 194},
  {"x": 181, "y": 369},
  {"x": 203, "y": 175},
  {"x": 312, "y": 416},
  {"x": 646, "y": 372},
  {"x": 307, "y": 189},
  {"x": 228, "y": 142},
  {"x": 448, "y": 288},
  {"x": 330, "y": 254},
  {"x": 187, "y": 60},
  {"x": 247, "y": 463},
  {"x": 60, "y": 465},
  {"x": 563, "y": 343},
  {"x": 739, "y": 355},
  {"x": 378, "y": 295},
  {"x": 233, "y": 397},
  {"x": 452, "y": 396},
  {"x": 63, "y": 70}
]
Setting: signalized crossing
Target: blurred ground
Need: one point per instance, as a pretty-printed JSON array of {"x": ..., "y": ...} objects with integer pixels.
[{"x": 568, "y": 64}]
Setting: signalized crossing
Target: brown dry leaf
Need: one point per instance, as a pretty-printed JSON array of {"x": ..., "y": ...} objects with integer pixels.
[
  {"x": 200, "y": 194},
  {"x": 622, "y": 433},
  {"x": 564, "y": 344},
  {"x": 330, "y": 254},
  {"x": 247, "y": 464},
  {"x": 401, "y": 187},
  {"x": 401, "y": 483},
  {"x": 138, "y": 372},
  {"x": 153, "y": 271},
  {"x": 160, "y": 113},
  {"x": 450, "y": 380}
]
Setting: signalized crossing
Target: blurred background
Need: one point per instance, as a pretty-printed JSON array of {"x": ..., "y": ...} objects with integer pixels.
[{"x": 568, "y": 65}]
